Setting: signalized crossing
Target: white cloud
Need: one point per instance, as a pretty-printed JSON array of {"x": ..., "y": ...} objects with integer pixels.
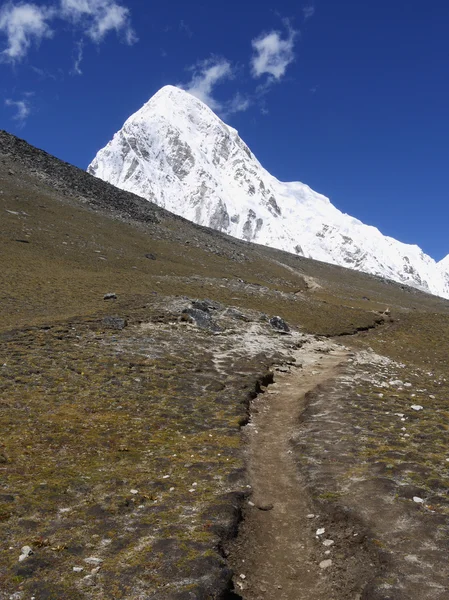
[
  {"x": 79, "y": 49},
  {"x": 23, "y": 24},
  {"x": 308, "y": 11},
  {"x": 98, "y": 17},
  {"x": 206, "y": 75},
  {"x": 273, "y": 53},
  {"x": 22, "y": 109},
  {"x": 238, "y": 103}
]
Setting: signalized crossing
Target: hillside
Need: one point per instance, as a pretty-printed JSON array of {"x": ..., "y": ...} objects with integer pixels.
[{"x": 141, "y": 361}]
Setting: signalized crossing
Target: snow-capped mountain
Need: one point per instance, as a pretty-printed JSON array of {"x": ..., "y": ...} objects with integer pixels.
[{"x": 177, "y": 153}]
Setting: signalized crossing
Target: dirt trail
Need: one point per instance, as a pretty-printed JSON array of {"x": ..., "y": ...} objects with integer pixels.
[{"x": 274, "y": 556}]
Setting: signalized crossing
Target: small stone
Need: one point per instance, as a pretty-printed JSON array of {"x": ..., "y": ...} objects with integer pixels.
[
  {"x": 325, "y": 564},
  {"x": 242, "y": 576},
  {"x": 328, "y": 543},
  {"x": 110, "y": 296},
  {"x": 93, "y": 560},
  {"x": 265, "y": 506},
  {"x": 417, "y": 407},
  {"x": 311, "y": 516},
  {"x": 26, "y": 552},
  {"x": 418, "y": 500},
  {"x": 134, "y": 492},
  {"x": 78, "y": 569},
  {"x": 150, "y": 256},
  {"x": 251, "y": 503},
  {"x": 320, "y": 531}
]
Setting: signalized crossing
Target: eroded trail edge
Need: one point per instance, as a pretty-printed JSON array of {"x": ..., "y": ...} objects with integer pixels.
[{"x": 275, "y": 555}]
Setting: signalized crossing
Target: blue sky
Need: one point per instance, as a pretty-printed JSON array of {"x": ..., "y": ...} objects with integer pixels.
[{"x": 350, "y": 97}]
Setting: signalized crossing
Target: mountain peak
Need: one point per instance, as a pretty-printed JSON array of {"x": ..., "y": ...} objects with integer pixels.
[{"x": 177, "y": 153}]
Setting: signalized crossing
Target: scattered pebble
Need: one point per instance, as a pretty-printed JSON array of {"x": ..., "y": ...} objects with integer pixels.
[
  {"x": 93, "y": 560},
  {"x": 416, "y": 407},
  {"x": 328, "y": 543},
  {"x": 78, "y": 569},
  {"x": 242, "y": 576},
  {"x": 312, "y": 516},
  {"x": 134, "y": 492},
  {"x": 325, "y": 564},
  {"x": 26, "y": 552},
  {"x": 418, "y": 500},
  {"x": 320, "y": 531}
]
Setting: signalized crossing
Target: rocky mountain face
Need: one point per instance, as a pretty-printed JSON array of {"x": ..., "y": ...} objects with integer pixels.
[{"x": 177, "y": 153}]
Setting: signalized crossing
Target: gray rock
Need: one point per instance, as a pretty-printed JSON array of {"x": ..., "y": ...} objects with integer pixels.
[
  {"x": 236, "y": 314},
  {"x": 279, "y": 325},
  {"x": 201, "y": 319},
  {"x": 110, "y": 296},
  {"x": 115, "y": 323},
  {"x": 150, "y": 256},
  {"x": 207, "y": 305}
]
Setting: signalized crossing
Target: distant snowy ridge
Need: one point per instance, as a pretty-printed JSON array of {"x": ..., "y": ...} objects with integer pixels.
[{"x": 177, "y": 153}]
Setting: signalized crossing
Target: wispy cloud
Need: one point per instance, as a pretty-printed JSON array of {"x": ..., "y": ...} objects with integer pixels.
[
  {"x": 239, "y": 103},
  {"x": 273, "y": 53},
  {"x": 78, "y": 58},
  {"x": 23, "y": 25},
  {"x": 97, "y": 18},
  {"x": 308, "y": 11},
  {"x": 183, "y": 26},
  {"x": 206, "y": 75},
  {"x": 22, "y": 108}
]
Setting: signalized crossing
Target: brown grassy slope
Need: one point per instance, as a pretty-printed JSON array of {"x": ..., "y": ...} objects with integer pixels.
[{"x": 88, "y": 414}]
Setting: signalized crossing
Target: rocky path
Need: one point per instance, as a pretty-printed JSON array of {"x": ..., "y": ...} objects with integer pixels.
[{"x": 274, "y": 556}]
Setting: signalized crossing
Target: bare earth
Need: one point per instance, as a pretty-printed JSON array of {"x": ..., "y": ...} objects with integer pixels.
[{"x": 275, "y": 555}]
